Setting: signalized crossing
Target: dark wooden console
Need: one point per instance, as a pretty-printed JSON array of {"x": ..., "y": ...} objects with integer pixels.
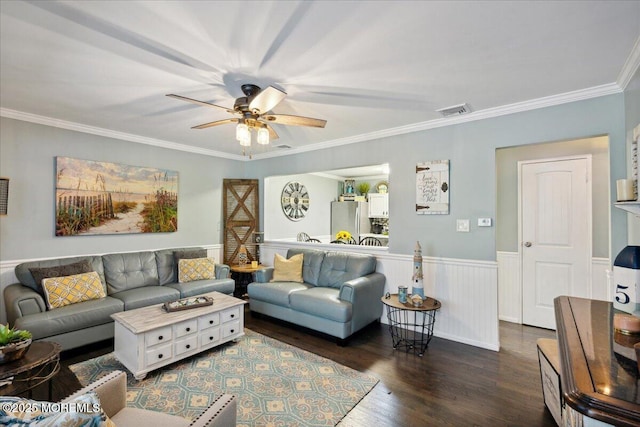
[{"x": 599, "y": 379}]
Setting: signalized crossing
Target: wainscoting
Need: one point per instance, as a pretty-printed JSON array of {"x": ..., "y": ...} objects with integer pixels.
[
  {"x": 510, "y": 291},
  {"x": 7, "y": 275},
  {"x": 467, "y": 289}
]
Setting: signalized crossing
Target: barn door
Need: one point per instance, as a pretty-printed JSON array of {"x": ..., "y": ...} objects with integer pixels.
[{"x": 240, "y": 209}]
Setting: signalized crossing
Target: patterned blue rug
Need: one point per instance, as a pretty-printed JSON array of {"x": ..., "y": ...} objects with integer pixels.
[{"x": 276, "y": 384}]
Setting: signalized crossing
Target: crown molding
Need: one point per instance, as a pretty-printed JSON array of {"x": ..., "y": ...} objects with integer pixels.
[
  {"x": 630, "y": 66},
  {"x": 534, "y": 104},
  {"x": 563, "y": 98},
  {"x": 78, "y": 127}
]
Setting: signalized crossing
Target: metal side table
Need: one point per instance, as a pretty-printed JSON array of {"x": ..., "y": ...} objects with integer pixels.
[
  {"x": 39, "y": 365},
  {"x": 411, "y": 327}
]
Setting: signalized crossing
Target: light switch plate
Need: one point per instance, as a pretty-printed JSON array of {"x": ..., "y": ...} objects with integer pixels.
[
  {"x": 462, "y": 225},
  {"x": 484, "y": 222}
]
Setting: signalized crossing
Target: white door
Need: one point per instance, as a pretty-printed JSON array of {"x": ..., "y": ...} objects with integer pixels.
[{"x": 555, "y": 220}]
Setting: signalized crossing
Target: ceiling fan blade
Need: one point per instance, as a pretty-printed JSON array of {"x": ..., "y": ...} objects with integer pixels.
[
  {"x": 216, "y": 123},
  {"x": 195, "y": 101},
  {"x": 285, "y": 119},
  {"x": 272, "y": 133},
  {"x": 266, "y": 99}
]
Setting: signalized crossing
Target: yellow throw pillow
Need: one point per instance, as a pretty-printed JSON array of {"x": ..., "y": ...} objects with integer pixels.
[
  {"x": 287, "y": 270},
  {"x": 196, "y": 269},
  {"x": 66, "y": 290}
]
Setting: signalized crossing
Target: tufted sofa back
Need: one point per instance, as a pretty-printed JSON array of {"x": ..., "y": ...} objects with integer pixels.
[
  {"x": 130, "y": 270},
  {"x": 339, "y": 267},
  {"x": 311, "y": 263},
  {"x": 332, "y": 269}
]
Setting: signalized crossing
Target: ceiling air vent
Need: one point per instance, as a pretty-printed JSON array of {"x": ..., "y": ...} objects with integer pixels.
[
  {"x": 456, "y": 110},
  {"x": 283, "y": 146}
]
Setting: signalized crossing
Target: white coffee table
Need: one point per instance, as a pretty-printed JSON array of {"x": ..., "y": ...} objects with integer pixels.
[{"x": 148, "y": 338}]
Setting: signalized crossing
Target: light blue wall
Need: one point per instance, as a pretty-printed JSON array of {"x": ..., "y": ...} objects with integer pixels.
[
  {"x": 471, "y": 149},
  {"x": 27, "y": 154},
  {"x": 27, "y": 157}
]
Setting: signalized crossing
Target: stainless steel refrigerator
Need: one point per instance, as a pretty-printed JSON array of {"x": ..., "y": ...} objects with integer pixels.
[{"x": 350, "y": 216}]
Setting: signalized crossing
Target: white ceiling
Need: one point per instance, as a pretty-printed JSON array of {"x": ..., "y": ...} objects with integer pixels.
[{"x": 370, "y": 68}]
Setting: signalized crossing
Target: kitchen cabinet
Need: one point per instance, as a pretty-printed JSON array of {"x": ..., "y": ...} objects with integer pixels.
[{"x": 378, "y": 205}]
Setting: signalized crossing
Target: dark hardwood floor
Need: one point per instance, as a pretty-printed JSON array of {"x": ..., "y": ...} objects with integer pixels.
[{"x": 453, "y": 384}]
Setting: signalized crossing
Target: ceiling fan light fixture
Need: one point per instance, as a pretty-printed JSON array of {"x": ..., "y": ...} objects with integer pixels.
[
  {"x": 263, "y": 136},
  {"x": 242, "y": 130}
]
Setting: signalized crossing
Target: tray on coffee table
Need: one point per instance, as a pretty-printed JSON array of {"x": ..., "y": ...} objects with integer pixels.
[{"x": 187, "y": 303}]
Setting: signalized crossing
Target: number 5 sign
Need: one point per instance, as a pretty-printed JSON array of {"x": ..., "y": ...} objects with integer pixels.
[{"x": 626, "y": 276}]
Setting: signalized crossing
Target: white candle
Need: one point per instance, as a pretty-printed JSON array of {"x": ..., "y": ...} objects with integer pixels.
[{"x": 625, "y": 190}]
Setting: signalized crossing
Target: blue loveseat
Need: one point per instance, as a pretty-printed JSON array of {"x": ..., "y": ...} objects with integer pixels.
[
  {"x": 341, "y": 293},
  {"x": 131, "y": 280}
]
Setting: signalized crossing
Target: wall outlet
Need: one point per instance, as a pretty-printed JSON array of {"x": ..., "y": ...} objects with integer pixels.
[
  {"x": 484, "y": 222},
  {"x": 462, "y": 225}
]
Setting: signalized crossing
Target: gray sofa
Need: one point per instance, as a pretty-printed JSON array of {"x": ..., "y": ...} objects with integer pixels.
[
  {"x": 341, "y": 293},
  {"x": 131, "y": 280}
]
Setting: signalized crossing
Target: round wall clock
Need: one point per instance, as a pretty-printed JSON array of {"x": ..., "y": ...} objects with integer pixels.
[{"x": 295, "y": 201}]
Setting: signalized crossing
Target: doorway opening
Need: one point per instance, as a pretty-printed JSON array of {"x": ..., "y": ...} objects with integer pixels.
[{"x": 509, "y": 240}]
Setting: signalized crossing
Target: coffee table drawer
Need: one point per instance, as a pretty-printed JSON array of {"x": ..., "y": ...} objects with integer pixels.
[
  {"x": 209, "y": 337},
  {"x": 209, "y": 321},
  {"x": 231, "y": 328},
  {"x": 231, "y": 314},
  {"x": 159, "y": 355},
  {"x": 186, "y": 345},
  {"x": 186, "y": 328},
  {"x": 160, "y": 335}
]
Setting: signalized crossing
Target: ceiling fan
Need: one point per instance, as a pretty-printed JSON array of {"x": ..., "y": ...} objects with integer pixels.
[{"x": 254, "y": 110}]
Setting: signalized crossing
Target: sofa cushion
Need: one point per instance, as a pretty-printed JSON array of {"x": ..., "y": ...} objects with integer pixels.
[
  {"x": 130, "y": 270},
  {"x": 338, "y": 267},
  {"x": 287, "y": 270},
  {"x": 61, "y": 291},
  {"x": 24, "y": 275},
  {"x": 275, "y": 292},
  {"x": 70, "y": 318},
  {"x": 148, "y": 295},
  {"x": 224, "y": 286},
  {"x": 167, "y": 262},
  {"x": 190, "y": 269},
  {"x": 322, "y": 302},
  {"x": 310, "y": 265},
  {"x": 41, "y": 273}
]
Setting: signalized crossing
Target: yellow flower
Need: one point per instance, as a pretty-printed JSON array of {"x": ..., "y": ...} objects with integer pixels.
[{"x": 343, "y": 235}]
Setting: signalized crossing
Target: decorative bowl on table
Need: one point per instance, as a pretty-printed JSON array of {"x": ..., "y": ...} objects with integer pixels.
[{"x": 14, "y": 351}]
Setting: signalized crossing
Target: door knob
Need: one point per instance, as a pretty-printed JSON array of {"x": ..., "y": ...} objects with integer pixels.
[{"x": 527, "y": 244}]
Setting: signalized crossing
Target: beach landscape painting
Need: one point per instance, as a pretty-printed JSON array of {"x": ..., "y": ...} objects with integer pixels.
[{"x": 109, "y": 198}]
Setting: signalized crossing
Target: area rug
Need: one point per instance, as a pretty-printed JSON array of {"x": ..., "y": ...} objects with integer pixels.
[{"x": 276, "y": 384}]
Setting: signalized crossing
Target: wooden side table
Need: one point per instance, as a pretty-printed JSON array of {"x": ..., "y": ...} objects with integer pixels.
[
  {"x": 243, "y": 275},
  {"x": 411, "y": 327},
  {"x": 40, "y": 363}
]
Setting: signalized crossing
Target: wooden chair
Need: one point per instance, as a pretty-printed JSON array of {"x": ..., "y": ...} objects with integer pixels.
[
  {"x": 303, "y": 237},
  {"x": 350, "y": 241},
  {"x": 370, "y": 241}
]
